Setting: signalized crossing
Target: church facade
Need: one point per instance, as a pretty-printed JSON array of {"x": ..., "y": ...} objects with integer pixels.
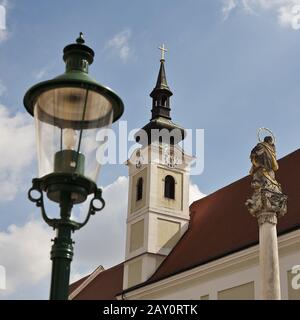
[{"x": 209, "y": 250}]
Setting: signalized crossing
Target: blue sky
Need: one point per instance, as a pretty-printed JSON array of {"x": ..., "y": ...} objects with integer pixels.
[{"x": 232, "y": 65}]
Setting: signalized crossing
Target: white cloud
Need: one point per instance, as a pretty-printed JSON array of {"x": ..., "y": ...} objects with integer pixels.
[
  {"x": 228, "y": 7},
  {"x": 41, "y": 73},
  {"x": 25, "y": 255},
  {"x": 119, "y": 44},
  {"x": 3, "y": 29},
  {"x": 18, "y": 145},
  {"x": 3, "y": 35},
  {"x": 289, "y": 16},
  {"x": 195, "y": 193},
  {"x": 287, "y": 12}
]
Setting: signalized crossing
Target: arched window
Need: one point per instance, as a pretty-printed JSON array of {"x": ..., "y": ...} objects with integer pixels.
[
  {"x": 164, "y": 101},
  {"x": 139, "y": 189},
  {"x": 169, "y": 187}
]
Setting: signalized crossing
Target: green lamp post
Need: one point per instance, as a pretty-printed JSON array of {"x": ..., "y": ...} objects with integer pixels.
[{"x": 69, "y": 110}]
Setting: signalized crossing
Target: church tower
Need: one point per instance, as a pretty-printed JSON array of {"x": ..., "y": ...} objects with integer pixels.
[{"x": 158, "y": 200}]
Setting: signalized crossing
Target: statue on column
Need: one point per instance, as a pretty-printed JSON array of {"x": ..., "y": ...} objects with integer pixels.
[{"x": 267, "y": 200}]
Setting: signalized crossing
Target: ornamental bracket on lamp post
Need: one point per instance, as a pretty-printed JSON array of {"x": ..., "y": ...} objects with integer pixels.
[{"x": 37, "y": 185}]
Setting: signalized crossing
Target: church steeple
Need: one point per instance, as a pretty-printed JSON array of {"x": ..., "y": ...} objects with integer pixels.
[
  {"x": 161, "y": 82},
  {"x": 161, "y": 95},
  {"x": 161, "y": 110}
]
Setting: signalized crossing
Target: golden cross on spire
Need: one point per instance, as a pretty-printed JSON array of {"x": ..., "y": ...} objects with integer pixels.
[{"x": 163, "y": 50}]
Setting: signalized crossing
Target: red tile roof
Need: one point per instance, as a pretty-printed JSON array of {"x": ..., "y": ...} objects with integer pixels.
[
  {"x": 220, "y": 225},
  {"x": 77, "y": 283},
  {"x": 105, "y": 286}
]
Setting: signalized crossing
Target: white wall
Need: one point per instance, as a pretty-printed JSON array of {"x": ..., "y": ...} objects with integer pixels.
[{"x": 233, "y": 270}]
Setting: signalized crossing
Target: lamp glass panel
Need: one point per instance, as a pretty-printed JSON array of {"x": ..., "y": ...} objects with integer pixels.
[{"x": 70, "y": 126}]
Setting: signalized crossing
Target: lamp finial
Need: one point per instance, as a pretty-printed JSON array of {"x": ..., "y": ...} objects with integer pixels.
[{"x": 80, "y": 39}]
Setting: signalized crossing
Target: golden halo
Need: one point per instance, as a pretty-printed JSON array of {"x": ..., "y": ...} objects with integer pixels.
[{"x": 265, "y": 129}]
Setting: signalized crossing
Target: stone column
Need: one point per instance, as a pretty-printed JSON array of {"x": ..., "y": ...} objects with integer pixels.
[
  {"x": 267, "y": 206},
  {"x": 268, "y": 256}
]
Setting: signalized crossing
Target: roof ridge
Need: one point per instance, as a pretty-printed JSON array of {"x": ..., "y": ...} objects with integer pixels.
[{"x": 86, "y": 282}]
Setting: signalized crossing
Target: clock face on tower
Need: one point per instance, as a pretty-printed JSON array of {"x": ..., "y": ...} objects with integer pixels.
[
  {"x": 139, "y": 159},
  {"x": 169, "y": 158}
]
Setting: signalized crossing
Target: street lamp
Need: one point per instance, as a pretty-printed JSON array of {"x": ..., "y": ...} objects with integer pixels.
[{"x": 69, "y": 110}]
